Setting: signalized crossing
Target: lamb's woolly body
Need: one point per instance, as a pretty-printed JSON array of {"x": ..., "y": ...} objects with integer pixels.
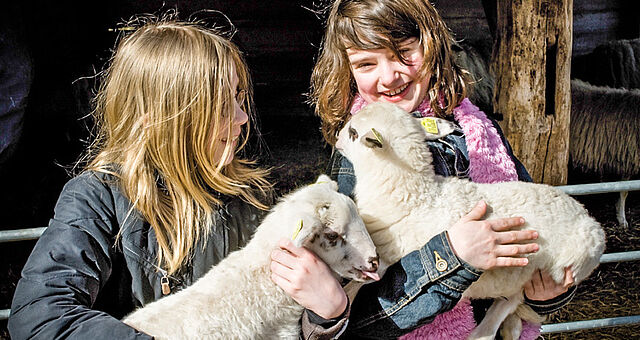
[
  {"x": 604, "y": 116},
  {"x": 404, "y": 204},
  {"x": 237, "y": 299},
  {"x": 232, "y": 300}
]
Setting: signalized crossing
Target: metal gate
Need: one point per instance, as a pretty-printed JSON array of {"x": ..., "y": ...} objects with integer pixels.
[{"x": 580, "y": 189}]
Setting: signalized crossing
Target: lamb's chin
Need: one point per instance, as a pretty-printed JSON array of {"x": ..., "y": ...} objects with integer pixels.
[{"x": 361, "y": 277}]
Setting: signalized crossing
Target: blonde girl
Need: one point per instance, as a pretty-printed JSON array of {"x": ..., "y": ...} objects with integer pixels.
[{"x": 165, "y": 193}]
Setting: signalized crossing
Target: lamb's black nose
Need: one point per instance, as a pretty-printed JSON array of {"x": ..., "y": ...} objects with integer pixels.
[{"x": 373, "y": 262}]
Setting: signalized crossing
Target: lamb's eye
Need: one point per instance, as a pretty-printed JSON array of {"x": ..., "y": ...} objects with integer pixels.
[
  {"x": 331, "y": 236},
  {"x": 353, "y": 134}
]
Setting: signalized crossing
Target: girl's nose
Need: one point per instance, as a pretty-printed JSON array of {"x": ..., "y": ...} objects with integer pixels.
[
  {"x": 240, "y": 117},
  {"x": 389, "y": 72}
]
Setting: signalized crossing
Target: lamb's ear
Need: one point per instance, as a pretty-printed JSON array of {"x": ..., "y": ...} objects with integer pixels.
[
  {"x": 435, "y": 128},
  {"x": 325, "y": 180},
  {"x": 309, "y": 226},
  {"x": 305, "y": 230},
  {"x": 372, "y": 139}
]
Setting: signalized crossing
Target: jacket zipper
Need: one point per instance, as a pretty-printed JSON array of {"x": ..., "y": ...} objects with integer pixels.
[{"x": 164, "y": 280}]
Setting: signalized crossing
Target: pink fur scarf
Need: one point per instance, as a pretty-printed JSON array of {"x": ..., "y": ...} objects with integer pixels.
[{"x": 489, "y": 162}]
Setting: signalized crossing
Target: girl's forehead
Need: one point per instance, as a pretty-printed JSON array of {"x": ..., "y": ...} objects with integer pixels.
[{"x": 411, "y": 42}]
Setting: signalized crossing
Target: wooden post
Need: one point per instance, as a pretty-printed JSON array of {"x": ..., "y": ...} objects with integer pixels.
[{"x": 532, "y": 57}]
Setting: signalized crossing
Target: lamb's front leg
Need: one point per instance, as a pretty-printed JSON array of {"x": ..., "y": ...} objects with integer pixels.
[{"x": 496, "y": 314}]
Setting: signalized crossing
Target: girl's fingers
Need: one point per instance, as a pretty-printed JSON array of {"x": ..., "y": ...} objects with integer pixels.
[
  {"x": 516, "y": 249},
  {"x": 511, "y": 262},
  {"x": 568, "y": 277},
  {"x": 283, "y": 257},
  {"x": 502, "y": 224},
  {"x": 518, "y": 236},
  {"x": 281, "y": 269},
  {"x": 476, "y": 213},
  {"x": 282, "y": 282},
  {"x": 286, "y": 244}
]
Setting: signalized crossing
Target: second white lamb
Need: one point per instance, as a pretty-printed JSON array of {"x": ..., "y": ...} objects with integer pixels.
[{"x": 404, "y": 203}]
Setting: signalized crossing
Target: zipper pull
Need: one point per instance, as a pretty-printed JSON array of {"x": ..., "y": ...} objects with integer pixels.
[{"x": 164, "y": 283}]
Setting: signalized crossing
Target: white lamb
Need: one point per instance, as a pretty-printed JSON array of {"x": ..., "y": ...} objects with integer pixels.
[
  {"x": 237, "y": 299},
  {"x": 404, "y": 203}
]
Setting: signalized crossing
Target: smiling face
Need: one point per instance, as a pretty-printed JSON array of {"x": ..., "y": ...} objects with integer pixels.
[
  {"x": 381, "y": 77},
  {"x": 228, "y": 139}
]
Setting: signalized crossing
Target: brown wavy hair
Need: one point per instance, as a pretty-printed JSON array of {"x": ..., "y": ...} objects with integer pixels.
[
  {"x": 374, "y": 24},
  {"x": 164, "y": 97}
]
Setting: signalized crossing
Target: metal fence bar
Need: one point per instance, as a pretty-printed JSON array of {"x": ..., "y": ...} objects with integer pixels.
[
  {"x": 589, "y": 324},
  {"x": 4, "y": 314},
  {"x": 620, "y": 257},
  {"x": 21, "y": 234},
  {"x": 600, "y": 188}
]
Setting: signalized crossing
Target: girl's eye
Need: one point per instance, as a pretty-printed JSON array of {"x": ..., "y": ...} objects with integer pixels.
[
  {"x": 363, "y": 65},
  {"x": 332, "y": 236}
]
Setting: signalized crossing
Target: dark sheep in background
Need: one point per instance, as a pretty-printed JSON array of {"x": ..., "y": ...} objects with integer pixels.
[
  {"x": 617, "y": 64},
  {"x": 605, "y": 121}
]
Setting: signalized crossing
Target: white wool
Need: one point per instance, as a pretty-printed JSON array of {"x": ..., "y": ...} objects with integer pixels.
[
  {"x": 236, "y": 299},
  {"x": 404, "y": 204}
]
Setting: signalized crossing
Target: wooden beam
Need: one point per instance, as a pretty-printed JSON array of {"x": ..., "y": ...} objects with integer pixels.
[{"x": 532, "y": 57}]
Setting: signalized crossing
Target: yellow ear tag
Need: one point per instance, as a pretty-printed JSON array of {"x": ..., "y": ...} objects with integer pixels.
[
  {"x": 429, "y": 124},
  {"x": 377, "y": 135},
  {"x": 297, "y": 231}
]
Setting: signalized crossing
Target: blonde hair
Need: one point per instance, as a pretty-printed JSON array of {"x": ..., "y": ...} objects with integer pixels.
[
  {"x": 165, "y": 96},
  {"x": 374, "y": 24}
]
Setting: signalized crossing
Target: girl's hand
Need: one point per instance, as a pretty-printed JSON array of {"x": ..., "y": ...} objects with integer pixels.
[
  {"x": 487, "y": 244},
  {"x": 307, "y": 279},
  {"x": 542, "y": 287}
]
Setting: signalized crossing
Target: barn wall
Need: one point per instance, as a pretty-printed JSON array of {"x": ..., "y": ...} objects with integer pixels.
[{"x": 594, "y": 21}]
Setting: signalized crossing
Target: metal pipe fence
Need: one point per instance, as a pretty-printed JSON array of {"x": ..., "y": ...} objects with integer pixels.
[{"x": 574, "y": 190}]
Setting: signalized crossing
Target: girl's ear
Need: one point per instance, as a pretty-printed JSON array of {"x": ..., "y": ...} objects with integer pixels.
[
  {"x": 372, "y": 139},
  {"x": 435, "y": 128}
]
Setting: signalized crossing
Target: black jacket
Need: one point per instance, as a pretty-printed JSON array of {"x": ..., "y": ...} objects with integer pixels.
[{"x": 80, "y": 280}]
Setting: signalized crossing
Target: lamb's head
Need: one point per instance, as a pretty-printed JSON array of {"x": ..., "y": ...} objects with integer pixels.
[
  {"x": 385, "y": 132},
  {"x": 330, "y": 226}
]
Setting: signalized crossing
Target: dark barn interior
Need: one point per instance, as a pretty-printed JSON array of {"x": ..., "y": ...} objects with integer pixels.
[{"x": 55, "y": 49}]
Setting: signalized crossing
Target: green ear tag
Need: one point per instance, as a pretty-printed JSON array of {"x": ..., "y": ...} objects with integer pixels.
[
  {"x": 297, "y": 231},
  {"x": 429, "y": 124},
  {"x": 377, "y": 135}
]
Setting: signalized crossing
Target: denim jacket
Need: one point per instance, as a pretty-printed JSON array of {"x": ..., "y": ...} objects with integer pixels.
[{"x": 413, "y": 292}]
